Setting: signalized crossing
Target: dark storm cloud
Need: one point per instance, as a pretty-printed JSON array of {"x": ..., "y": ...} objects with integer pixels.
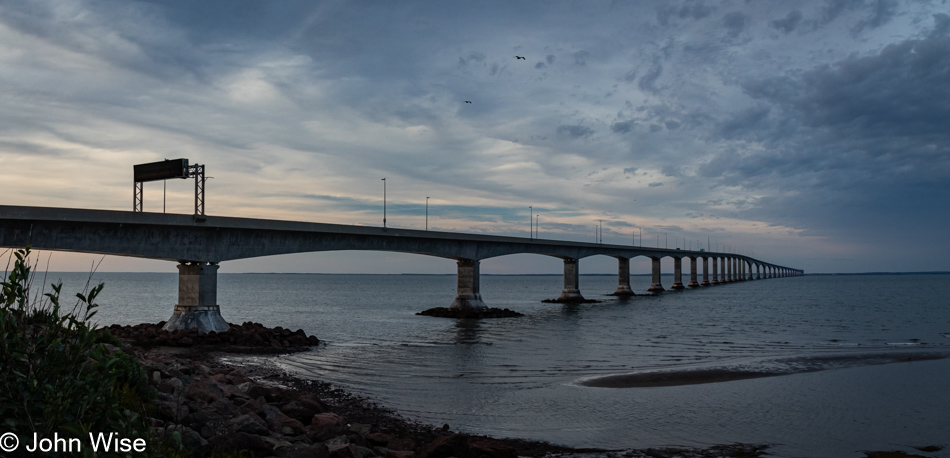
[
  {"x": 899, "y": 92},
  {"x": 622, "y": 127},
  {"x": 735, "y": 23},
  {"x": 575, "y": 131},
  {"x": 745, "y": 123},
  {"x": 667, "y": 11},
  {"x": 867, "y": 131},
  {"x": 789, "y": 22}
]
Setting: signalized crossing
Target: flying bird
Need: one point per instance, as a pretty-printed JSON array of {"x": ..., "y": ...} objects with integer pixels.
[
  {"x": 468, "y": 101},
  {"x": 519, "y": 57}
]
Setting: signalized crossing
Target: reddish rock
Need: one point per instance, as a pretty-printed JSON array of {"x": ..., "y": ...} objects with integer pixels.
[
  {"x": 445, "y": 446},
  {"x": 378, "y": 438},
  {"x": 322, "y": 433},
  {"x": 312, "y": 402},
  {"x": 327, "y": 419},
  {"x": 257, "y": 391},
  {"x": 298, "y": 411},
  {"x": 206, "y": 391},
  {"x": 492, "y": 448},
  {"x": 280, "y": 421}
]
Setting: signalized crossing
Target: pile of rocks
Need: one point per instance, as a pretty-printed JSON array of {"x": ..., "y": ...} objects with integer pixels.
[
  {"x": 493, "y": 312},
  {"x": 210, "y": 408},
  {"x": 247, "y": 336}
]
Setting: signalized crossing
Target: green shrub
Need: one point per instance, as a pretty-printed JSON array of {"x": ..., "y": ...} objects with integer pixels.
[{"x": 58, "y": 373}]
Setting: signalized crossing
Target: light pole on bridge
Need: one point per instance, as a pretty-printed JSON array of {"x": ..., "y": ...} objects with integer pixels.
[
  {"x": 384, "y": 203},
  {"x": 530, "y": 222},
  {"x": 427, "y": 213}
]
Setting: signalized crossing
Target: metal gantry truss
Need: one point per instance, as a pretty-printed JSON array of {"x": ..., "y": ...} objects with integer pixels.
[
  {"x": 197, "y": 171},
  {"x": 137, "y": 196}
]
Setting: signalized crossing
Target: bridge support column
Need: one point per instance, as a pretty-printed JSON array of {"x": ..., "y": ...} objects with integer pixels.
[
  {"x": 656, "y": 285},
  {"x": 751, "y": 272},
  {"x": 693, "y": 283},
  {"x": 197, "y": 299},
  {"x": 715, "y": 272},
  {"x": 706, "y": 272},
  {"x": 468, "y": 294},
  {"x": 571, "y": 292},
  {"x": 677, "y": 274},
  {"x": 623, "y": 274},
  {"x": 722, "y": 266}
]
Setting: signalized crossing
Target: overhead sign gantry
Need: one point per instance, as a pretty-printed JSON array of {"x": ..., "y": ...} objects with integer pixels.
[{"x": 168, "y": 169}]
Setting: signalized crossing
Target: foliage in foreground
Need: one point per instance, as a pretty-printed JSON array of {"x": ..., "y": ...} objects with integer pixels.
[{"x": 58, "y": 373}]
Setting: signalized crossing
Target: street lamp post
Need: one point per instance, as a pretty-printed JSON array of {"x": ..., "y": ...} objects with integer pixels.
[
  {"x": 427, "y": 213},
  {"x": 530, "y": 222},
  {"x": 537, "y": 220},
  {"x": 384, "y": 203}
]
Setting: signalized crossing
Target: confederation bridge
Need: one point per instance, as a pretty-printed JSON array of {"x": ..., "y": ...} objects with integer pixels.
[{"x": 200, "y": 243}]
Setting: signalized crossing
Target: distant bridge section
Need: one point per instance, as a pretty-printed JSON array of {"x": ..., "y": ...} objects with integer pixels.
[{"x": 199, "y": 243}]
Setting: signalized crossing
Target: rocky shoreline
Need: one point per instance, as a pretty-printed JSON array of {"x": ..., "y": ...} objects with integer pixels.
[{"x": 208, "y": 407}]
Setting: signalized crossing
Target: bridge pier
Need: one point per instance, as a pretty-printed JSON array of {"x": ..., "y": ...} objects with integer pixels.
[
  {"x": 197, "y": 299},
  {"x": 692, "y": 274},
  {"x": 571, "y": 292},
  {"x": 468, "y": 293},
  {"x": 715, "y": 272},
  {"x": 623, "y": 280},
  {"x": 706, "y": 271},
  {"x": 677, "y": 274},
  {"x": 656, "y": 285},
  {"x": 722, "y": 265}
]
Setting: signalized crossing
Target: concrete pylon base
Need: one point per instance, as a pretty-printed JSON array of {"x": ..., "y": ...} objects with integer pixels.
[
  {"x": 623, "y": 290},
  {"x": 693, "y": 284},
  {"x": 677, "y": 286},
  {"x": 656, "y": 288},
  {"x": 468, "y": 301},
  {"x": 705, "y": 283},
  {"x": 570, "y": 295},
  {"x": 205, "y": 318}
]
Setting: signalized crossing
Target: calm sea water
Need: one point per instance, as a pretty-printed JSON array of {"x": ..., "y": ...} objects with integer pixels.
[{"x": 520, "y": 377}]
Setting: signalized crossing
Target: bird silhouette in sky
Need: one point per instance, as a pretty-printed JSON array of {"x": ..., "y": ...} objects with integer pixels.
[
  {"x": 468, "y": 101},
  {"x": 519, "y": 57}
]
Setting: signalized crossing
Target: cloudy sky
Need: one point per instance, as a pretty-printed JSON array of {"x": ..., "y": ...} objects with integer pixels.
[{"x": 812, "y": 134}]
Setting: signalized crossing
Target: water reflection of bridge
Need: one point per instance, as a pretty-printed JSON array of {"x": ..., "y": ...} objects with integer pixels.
[{"x": 199, "y": 244}]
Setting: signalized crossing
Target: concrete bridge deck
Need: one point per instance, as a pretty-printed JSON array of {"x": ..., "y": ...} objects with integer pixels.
[{"x": 199, "y": 243}]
